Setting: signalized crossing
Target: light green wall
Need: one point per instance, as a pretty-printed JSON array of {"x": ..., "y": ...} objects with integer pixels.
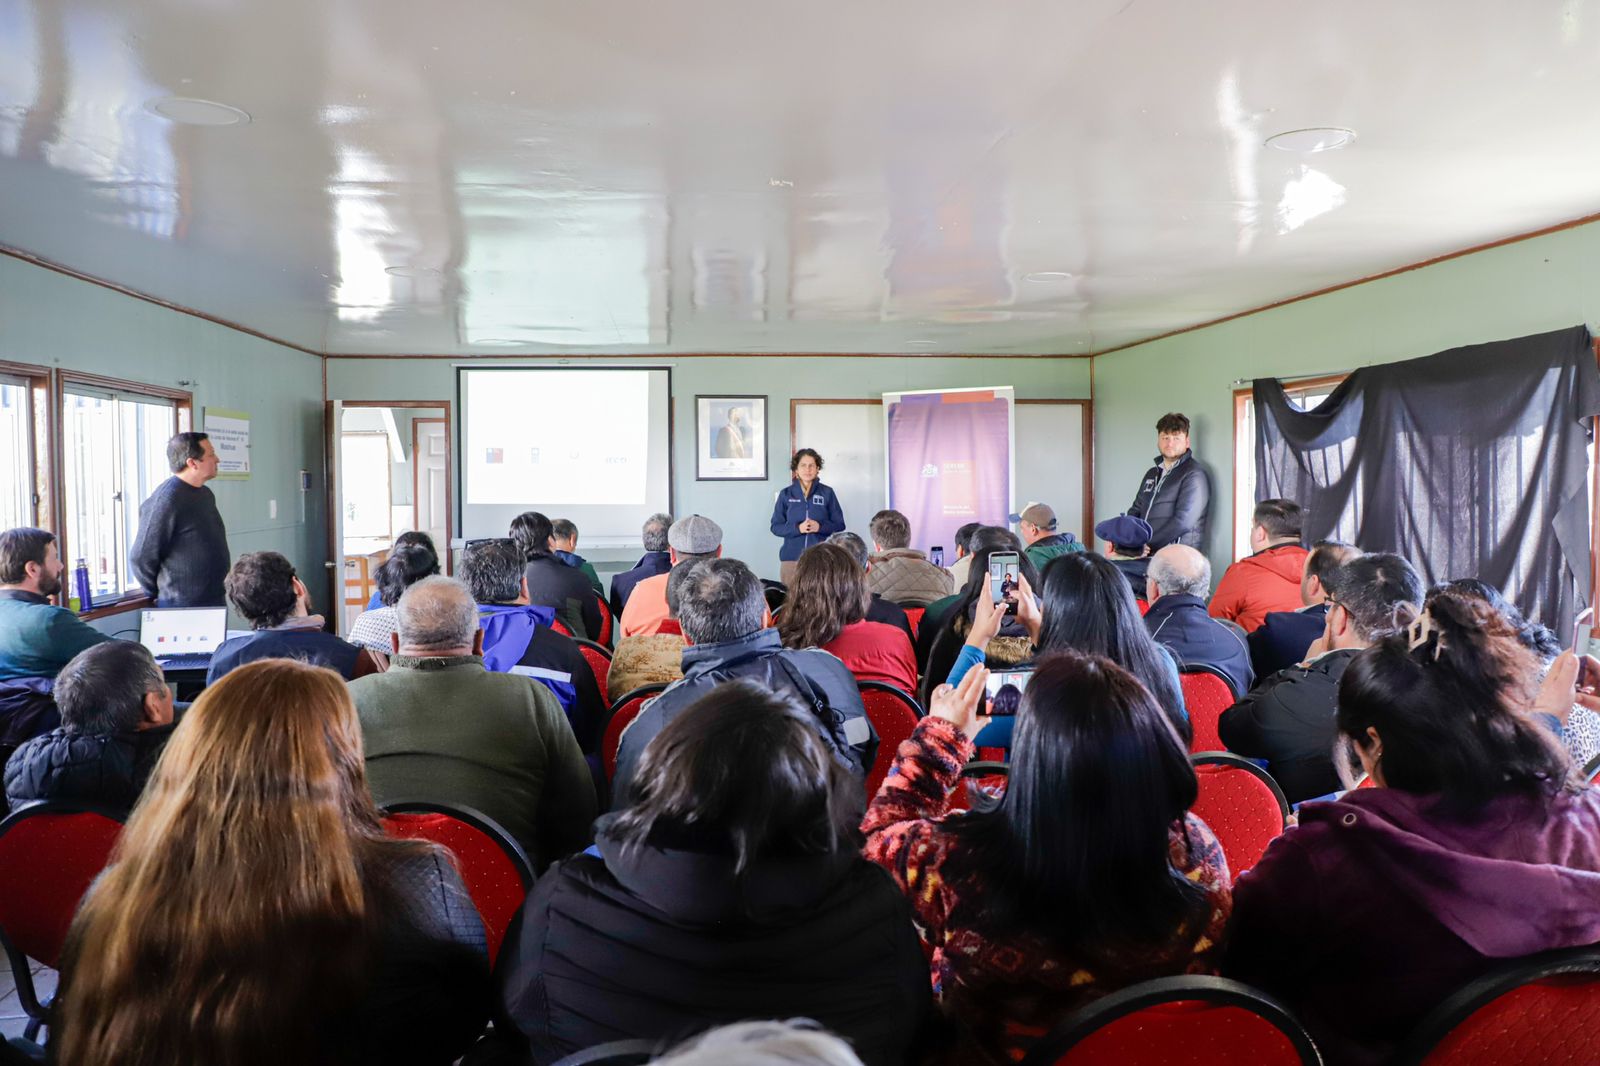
[
  {"x": 52, "y": 320},
  {"x": 1519, "y": 289},
  {"x": 742, "y": 508}
]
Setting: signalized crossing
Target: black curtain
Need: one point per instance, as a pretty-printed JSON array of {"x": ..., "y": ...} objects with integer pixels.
[{"x": 1469, "y": 463}]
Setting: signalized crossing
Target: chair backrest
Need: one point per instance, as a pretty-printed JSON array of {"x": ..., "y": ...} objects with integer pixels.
[
  {"x": 560, "y": 627},
  {"x": 493, "y": 865},
  {"x": 894, "y": 714},
  {"x": 599, "y": 659},
  {"x": 1178, "y": 1021},
  {"x": 1242, "y": 804},
  {"x": 1143, "y": 605},
  {"x": 914, "y": 616},
  {"x": 1540, "y": 1009},
  {"x": 624, "y": 710},
  {"x": 50, "y": 853},
  {"x": 616, "y": 1053},
  {"x": 1591, "y": 770},
  {"x": 776, "y": 593},
  {"x": 979, "y": 777},
  {"x": 1206, "y": 694},
  {"x": 605, "y": 625},
  {"x": 669, "y": 625}
]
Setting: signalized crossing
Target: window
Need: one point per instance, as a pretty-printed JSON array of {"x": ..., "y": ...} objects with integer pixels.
[
  {"x": 114, "y": 454},
  {"x": 24, "y": 474},
  {"x": 1306, "y": 395},
  {"x": 364, "y": 468}
]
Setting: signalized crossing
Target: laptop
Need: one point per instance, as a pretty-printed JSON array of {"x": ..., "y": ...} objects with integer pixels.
[{"x": 183, "y": 638}]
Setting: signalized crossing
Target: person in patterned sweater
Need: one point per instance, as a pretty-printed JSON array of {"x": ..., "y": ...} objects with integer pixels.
[{"x": 1087, "y": 876}]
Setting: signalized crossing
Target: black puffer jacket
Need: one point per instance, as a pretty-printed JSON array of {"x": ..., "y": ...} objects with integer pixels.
[
  {"x": 108, "y": 769},
  {"x": 659, "y": 943},
  {"x": 1175, "y": 503}
]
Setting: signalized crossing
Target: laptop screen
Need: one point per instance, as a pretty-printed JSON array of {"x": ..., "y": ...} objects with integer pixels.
[{"x": 169, "y": 631}]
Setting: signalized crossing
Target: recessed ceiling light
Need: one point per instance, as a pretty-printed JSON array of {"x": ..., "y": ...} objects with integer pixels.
[
  {"x": 1047, "y": 275},
  {"x": 188, "y": 111},
  {"x": 403, "y": 271},
  {"x": 1312, "y": 139}
]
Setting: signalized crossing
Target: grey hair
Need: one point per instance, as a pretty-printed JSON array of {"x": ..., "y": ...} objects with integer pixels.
[
  {"x": 851, "y": 543},
  {"x": 797, "y": 1042},
  {"x": 102, "y": 689},
  {"x": 655, "y": 532},
  {"x": 720, "y": 599},
  {"x": 436, "y": 613},
  {"x": 492, "y": 570},
  {"x": 1179, "y": 570}
]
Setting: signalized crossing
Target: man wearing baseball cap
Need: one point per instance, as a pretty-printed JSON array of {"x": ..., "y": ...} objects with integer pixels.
[
  {"x": 688, "y": 541},
  {"x": 1127, "y": 536},
  {"x": 1036, "y": 524}
]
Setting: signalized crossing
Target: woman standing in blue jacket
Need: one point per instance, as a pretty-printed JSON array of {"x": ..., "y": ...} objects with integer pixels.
[{"x": 806, "y": 513}]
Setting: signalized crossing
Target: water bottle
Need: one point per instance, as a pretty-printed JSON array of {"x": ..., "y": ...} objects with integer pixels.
[
  {"x": 937, "y": 555},
  {"x": 80, "y": 583}
]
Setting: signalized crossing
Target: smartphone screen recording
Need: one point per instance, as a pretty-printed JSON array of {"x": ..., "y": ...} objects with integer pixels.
[
  {"x": 1004, "y": 689},
  {"x": 1005, "y": 578}
]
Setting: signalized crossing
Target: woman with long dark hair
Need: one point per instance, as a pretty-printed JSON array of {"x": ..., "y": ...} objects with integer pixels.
[
  {"x": 1087, "y": 875},
  {"x": 255, "y": 912},
  {"x": 945, "y": 630},
  {"x": 1478, "y": 845},
  {"x": 731, "y": 886},
  {"x": 827, "y": 609},
  {"x": 408, "y": 564}
]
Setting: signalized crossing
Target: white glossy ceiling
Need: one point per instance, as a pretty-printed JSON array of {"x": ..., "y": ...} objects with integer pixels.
[{"x": 499, "y": 176}]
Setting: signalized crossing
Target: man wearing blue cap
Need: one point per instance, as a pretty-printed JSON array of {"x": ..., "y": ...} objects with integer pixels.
[{"x": 1127, "y": 536}]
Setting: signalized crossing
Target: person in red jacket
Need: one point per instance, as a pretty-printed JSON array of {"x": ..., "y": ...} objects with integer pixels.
[
  {"x": 827, "y": 609},
  {"x": 1268, "y": 579}
]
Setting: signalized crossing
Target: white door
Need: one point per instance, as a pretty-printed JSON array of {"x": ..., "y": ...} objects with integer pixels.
[{"x": 430, "y": 499}]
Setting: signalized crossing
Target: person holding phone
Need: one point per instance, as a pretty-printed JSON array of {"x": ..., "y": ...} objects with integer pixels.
[
  {"x": 1007, "y": 644},
  {"x": 805, "y": 513}
]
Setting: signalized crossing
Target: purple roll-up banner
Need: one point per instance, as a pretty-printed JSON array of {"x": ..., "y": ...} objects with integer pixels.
[{"x": 950, "y": 458}]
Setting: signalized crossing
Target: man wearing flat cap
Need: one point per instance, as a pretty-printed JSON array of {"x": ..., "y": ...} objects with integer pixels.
[
  {"x": 1036, "y": 524},
  {"x": 1126, "y": 537},
  {"x": 688, "y": 541}
]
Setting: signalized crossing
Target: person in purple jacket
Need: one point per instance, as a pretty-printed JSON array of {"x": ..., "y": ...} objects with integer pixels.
[{"x": 1481, "y": 843}]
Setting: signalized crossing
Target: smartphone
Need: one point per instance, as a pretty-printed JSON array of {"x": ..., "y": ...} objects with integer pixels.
[
  {"x": 1005, "y": 688},
  {"x": 1005, "y": 577},
  {"x": 936, "y": 555},
  {"x": 1584, "y": 644}
]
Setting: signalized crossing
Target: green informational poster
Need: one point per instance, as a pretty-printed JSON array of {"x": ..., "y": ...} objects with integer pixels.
[{"x": 230, "y": 436}]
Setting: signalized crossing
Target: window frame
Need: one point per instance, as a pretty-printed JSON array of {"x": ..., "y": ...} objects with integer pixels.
[
  {"x": 40, "y": 382},
  {"x": 183, "y": 407},
  {"x": 1242, "y": 399}
]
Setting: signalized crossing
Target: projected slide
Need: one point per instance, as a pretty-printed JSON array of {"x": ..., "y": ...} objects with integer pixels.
[{"x": 536, "y": 437}]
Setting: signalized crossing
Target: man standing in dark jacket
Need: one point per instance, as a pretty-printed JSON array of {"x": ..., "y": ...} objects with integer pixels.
[
  {"x": 116, "y": 718},
  {"x": 722, "y": 609},
  {"x": 1289, "y": 718},
  {"x": 1175, "y": 493},
  {"x": 180, "y": 555},
  {"x": 1176, "y": 589}
]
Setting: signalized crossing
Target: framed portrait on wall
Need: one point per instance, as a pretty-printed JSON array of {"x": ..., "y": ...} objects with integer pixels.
[{"x": 730, "y": 434}]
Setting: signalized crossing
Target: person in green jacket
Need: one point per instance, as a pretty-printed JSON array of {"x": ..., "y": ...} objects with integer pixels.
[
  {"x": 36, "y": 638},
  {"x": 438, "y": 726},
  {"x": 1037, "y": 525}
]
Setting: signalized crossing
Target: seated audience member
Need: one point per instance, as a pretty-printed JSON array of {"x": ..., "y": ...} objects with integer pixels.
[
  {"x": 36, "y": 639},
  {"x": 723, "y": 613},
  {"x": 655, "y": 560},
  {"x": 517, "y": 638},
  {"x": 946, "y": 622},
  {"x": 1037, "y": 527},
  {"x": 689, "y": 540},
  {"x": 406, "y": 565},
  {"x": 1176, "y": 588},
  {"x": 1288, "y": 717},
  {"x": 1479, "y": 845},
  {"x": 1127, "y": 538},
  {"x": 439, "y": 726},
  {"x": 1283, "y": 637},
  {"x": 288, "y": 926},
  {"x": 878, "y": 608},
  {"x": 798, "y": 1042},
  {"x": 1268, "y": 579},
  {"x": 411, "y": 538},
  {"x": 551, "y": 582},
  {"x": 963, "y": 554},
  {"x": 27, "y": 710},
  {"x": 116, "y": 717},
  {"x": 899, "y": 573},
  {"x": 650, "y": 658},
  {"x": 827, "y": 609},
  {"x": 1025, "y": 930},
  {"x": 731, "y": 886},
  {"x": 564, "y": 541},
  {"x": 263, "y": 587}
]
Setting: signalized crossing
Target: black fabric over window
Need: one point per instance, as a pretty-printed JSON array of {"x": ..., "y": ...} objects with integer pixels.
[{"x": 1469, "y": 463}]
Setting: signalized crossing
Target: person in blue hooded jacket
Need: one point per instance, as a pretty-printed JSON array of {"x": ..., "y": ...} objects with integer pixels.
[{"x": 805, "y": 513}]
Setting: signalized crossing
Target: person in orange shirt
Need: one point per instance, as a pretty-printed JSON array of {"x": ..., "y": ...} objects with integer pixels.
[
  {"x": 688, "y": 541},
  {"x": 1268, "y": 579}
]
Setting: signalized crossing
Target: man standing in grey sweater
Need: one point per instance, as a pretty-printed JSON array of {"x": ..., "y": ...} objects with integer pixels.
[{"x": 181, "y": 553}]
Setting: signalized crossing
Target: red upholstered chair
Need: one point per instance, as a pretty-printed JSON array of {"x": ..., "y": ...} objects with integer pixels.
[
  {"x": 605, "y": 625},
  {"x": 1366, "y": 781},
  {"x": 1178, "y": 1021},
  {"x": 598, "y": 656},
  {"x": 616, "y": 1053},
  {"x": 1591, "y": 772},
  {"x": 1143, "y": 605},
  {"x": 493, "y": 865},
  {"x": 1540, "y": 1009},
  {"x": 1242, "y": 804},
  {"x": 894, "y": 714},
  {"x": 623, "y": 711},
  {"x": 670, "y": 625},
  {"x": 979, "y": 778},
  {"x": 560, "y": 627},
  {"x": 914, "y": 616},
  {"x": 1206, "y": 694},
  {"x": 50, "y": 853}
]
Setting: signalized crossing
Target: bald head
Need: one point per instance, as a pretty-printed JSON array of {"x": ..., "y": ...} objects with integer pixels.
[
  {"x": 436, "y": 616},
  {"x": 1178, "y": 570}
]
